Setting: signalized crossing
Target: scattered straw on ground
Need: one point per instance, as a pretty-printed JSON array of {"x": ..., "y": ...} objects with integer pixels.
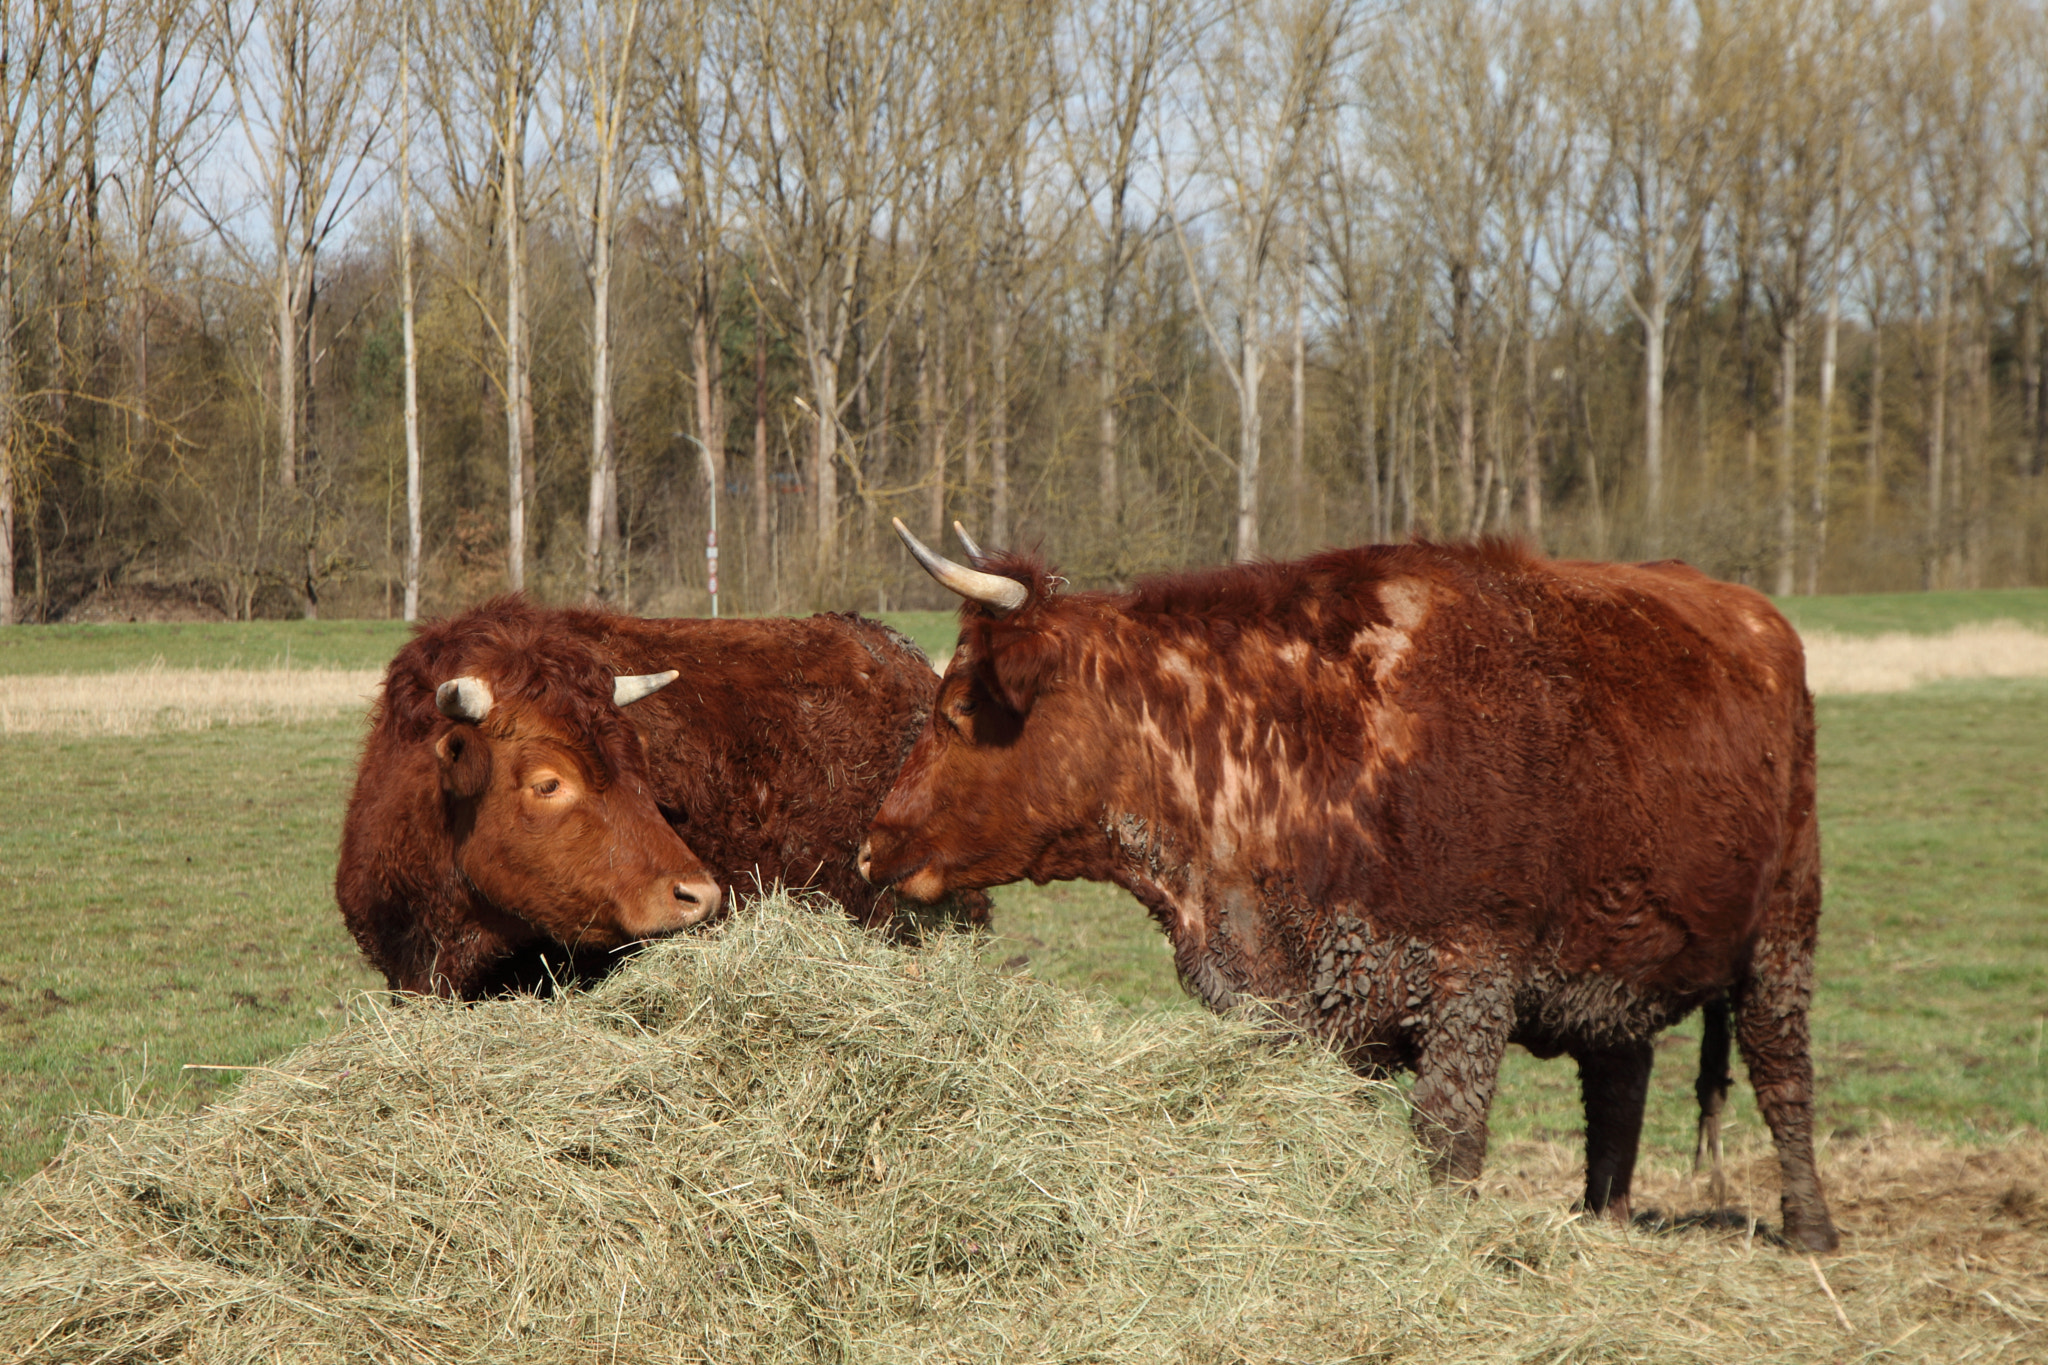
[
  {"x": 145, "y": 700},
  {"x": 786, "y": 1140},
  {"x": 1895, "y": 661}
]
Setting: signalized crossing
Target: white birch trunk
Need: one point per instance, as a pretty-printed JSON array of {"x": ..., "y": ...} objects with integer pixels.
[
  {"x": 412, "y": 387},
  {"x": 1297, "y": 437},
  {"x": 595, "y": 515},
  {"x": 1248, "y": 442},
  {"x": 999, "y": 423},
  {"x": 1823, "y": 453},
  {"x": 1788, "y": 399},
  {"x": 1937, "y": 432},
  {"x": 1653, "y": 423},
  {"x": 515, "y": 345}
]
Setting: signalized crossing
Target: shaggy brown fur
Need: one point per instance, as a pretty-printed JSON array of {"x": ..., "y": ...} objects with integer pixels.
[
  {"x": 768, "y": 757},
  {"x": 1428, "y": 799}
]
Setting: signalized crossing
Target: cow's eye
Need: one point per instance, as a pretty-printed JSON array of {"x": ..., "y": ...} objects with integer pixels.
[{"x": 547, "y": 786}]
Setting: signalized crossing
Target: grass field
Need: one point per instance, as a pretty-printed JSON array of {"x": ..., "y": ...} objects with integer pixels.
[{"x": 170, "y": 898}]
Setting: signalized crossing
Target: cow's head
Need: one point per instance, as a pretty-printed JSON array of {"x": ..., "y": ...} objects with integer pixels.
[
  {"x": 1004, "y": 783},
  {"x": 551, "y": 813}
]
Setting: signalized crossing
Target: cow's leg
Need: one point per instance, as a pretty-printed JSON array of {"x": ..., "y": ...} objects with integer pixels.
[
  {"x": 1771, "y": 1028},
  {"x": 1711, "y": 1089},
  {"x": 1455, "y": 1073},
  {"x": 1614, "y": 1082}
]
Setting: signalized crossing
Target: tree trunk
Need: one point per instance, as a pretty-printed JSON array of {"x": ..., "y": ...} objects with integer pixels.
[
  {"x": 1110, "y": 507},
  {"x": 928, "y": 426},
  {"x": 412, "y": 387},
  {"x": 1248, "y": 445},
  {"x": 1297, "y": 432},
  {"x": 1823, "y": 451},
  {"x": 516, "y": 402},
  {"x": 1788, "y": 397},
  {"x": 999, "y": 421},
  {"x": 596, "y": 518},
  {"x": 1873, "y": 452},
  {"x": 825, "y": 464},
  {"x": 761, "y": 493},
  {"x": 1937, "y": 430},
  {"x": 707, "y": 359},
  {"x": 1653, "y": 424},
  {"x": 1461, "y": 382},
  {"x": 287, "y": 325},
  {"x": 2033, "y": 451},
  {"x": 1532, "y": 463}
]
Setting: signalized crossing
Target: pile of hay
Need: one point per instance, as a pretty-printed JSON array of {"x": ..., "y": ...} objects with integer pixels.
[{"x": 789, "y": 1140}]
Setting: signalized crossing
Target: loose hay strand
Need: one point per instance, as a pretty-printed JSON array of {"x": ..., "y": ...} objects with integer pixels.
[{"x": 786, "y": 1140}]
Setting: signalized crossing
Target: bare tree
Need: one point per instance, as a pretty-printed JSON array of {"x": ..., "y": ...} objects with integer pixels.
[
  {"x": 24, "y": 41},
  {"x": 1662, "y": 91},
  {"x": 1455, "y": 97},
  {"x": 1122, "y": 55},
  {"x": 848, "y": 112},
  {"x": 1266, "y": 75},
  {"x": 408, "y": 302},
  {"x": 608, "y": 40},
  {"x": 298, "y": 73}
]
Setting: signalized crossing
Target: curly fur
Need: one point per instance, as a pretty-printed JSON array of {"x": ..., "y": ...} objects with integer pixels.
[
  {"x": 768, "y": 756},
  {"x": 1429, "y": 799}
]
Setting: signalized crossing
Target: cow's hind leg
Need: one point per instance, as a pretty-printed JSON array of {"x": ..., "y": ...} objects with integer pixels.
[
  {"x": 1771, "y": 1028},
  {"x": 1711, "y": 1089},
  {"x": 1614, "y": 1082},
  {"x": 1455, "y": 1074}
]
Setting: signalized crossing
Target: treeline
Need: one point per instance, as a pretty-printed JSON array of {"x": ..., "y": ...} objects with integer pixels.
[{"x": 368, "y": 306}]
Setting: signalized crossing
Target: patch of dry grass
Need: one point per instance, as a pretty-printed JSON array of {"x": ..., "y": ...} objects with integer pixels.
[
  {"x": 146, "y": 700},
  {"x": 1896, "y": 661},
  {"x": 786, "y": 1140},
  {"x": 157, "y": 698}
]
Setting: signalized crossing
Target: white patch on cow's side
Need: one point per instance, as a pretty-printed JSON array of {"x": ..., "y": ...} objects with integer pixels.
[
  {"x": 1406, "y": 603},
  {"x": 1294, "y": 652},
  {"x": 1176, "y": 669}
]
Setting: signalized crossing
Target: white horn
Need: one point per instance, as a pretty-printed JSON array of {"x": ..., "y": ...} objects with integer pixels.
[
  {"x": 464, "y": 699},
  {"x": 627, "y": 690},
  {"x": 967, "y": 543},
  {"x": 991, "y": 590}
]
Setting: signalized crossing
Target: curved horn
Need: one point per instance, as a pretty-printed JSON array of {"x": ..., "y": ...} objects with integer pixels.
[
  {"x": 464, "y": 698},
  {"x": 991, "y": 590},
  {"x": 628, "y": 689},
  {"x": 967, "y": 543}
]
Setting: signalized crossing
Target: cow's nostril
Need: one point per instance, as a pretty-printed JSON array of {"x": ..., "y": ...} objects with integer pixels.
[{"x": 687, "y": 894}]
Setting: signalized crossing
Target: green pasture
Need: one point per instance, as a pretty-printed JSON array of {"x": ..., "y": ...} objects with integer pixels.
[{"x": 170, "y": 904}]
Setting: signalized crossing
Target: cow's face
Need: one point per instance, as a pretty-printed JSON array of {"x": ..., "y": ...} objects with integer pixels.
[
  {"x": 566, "y": 839},
  {"x": 1006, "y": 782}
]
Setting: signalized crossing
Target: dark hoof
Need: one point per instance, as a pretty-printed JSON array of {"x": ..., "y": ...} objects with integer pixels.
[{"x": 1815, "y": 1236}]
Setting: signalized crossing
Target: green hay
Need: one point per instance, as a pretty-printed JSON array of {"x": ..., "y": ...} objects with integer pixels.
[{"x": 787, "y": 1140}]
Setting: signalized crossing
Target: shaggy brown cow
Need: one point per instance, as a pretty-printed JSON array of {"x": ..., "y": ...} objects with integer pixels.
[
  {"x": 521, "y": 812},
  {"x": 1429, "y": 800}
]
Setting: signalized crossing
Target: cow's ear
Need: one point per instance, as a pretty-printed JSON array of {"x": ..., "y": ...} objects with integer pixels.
[
  {"x": 1018, "y": 664},
  {"x": 465, "y": 761}
]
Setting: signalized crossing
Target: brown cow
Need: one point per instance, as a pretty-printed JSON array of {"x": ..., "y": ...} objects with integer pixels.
[
  {"x": 523, "y": 811},
  {"x": 1429, "y": 800}
]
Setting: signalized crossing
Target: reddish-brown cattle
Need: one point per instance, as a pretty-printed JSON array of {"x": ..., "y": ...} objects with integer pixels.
[
  {"x": 535, "y": 842},
  {"x": 1429, "y": 800}
]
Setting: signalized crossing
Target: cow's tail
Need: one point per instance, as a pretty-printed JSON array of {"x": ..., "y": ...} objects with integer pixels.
[{"x": 1712, "y": 1090}]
